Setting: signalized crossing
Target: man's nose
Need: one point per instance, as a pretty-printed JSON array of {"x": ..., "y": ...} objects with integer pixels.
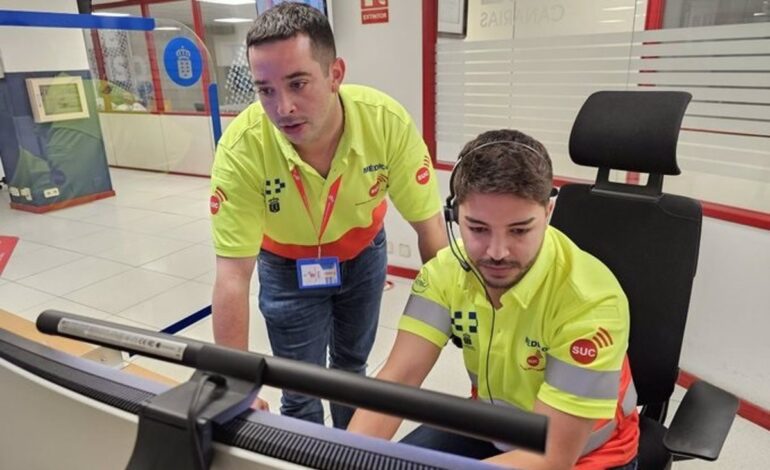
[
  {"x": 285, "y": 104},
  {"x": 498, "y": 248}
]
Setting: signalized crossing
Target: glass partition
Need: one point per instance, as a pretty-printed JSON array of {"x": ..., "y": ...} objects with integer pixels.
[{"x": 530, "y": 65}]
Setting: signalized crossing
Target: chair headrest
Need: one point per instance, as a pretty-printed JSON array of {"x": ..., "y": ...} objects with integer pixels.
[{"x": 629, "y": 130}]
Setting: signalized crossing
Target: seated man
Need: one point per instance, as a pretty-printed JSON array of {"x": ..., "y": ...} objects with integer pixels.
[{"x": 543, "y": 325}]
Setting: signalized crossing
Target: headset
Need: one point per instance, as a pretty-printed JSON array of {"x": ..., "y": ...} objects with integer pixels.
[
  {"x": 450, "y": 206},
  {"x": 451, "y": 215}
]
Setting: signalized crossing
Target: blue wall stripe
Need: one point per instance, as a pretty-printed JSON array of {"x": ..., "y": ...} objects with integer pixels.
[
  {"x": 73, "y": 20},
  {"x": 216, "y": 123},
  {"x": 187, "y": 321}
]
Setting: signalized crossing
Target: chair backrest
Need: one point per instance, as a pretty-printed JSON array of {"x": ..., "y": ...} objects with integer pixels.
[{"x": 648, "y": 239}]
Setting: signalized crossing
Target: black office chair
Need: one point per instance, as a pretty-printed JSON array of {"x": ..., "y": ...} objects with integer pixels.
[{"x": 650, "y": 241}]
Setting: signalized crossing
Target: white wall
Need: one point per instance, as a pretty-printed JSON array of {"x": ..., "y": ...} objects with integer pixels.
[
  {"x": 726, "y": 339},
  {"x": 35, "y": 49},
  {"x": 386, "y": 56}
]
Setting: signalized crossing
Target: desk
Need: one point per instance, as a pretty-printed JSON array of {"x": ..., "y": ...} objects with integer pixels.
[{"x": 27, "y": 329}]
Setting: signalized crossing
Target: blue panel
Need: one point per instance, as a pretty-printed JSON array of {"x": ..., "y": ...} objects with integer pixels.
[
  {"x": 72, "y": 20},
  {"x": 216, "y": 122}
]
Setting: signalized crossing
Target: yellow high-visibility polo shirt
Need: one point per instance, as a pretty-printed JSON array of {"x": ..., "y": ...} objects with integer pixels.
[
  {"x": 253, "y": 193},
  {"x": 560, "y": 336}
]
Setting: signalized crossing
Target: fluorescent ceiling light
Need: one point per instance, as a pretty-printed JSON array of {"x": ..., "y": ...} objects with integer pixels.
[
  {"x": 612, "y": 21},
  {"x": 166, "y": 28},
  {"x": 233, "y": 20},
  {"x": 617, "y": 8},
  {"x": 110, "y": 13},
  {"x": 229, "y": 2}
]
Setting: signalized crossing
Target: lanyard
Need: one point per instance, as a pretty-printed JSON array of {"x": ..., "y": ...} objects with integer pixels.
[{"x": 331, "y": 199}]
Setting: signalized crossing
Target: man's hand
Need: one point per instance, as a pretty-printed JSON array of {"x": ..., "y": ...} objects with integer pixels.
[{"x": 260, "y": 405}]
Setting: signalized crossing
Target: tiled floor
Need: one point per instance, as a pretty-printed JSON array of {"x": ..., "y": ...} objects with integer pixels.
[{"x": 144, "y": 258}]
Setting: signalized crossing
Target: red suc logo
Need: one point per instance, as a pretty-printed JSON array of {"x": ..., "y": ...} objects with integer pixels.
[
  {"x": 583, "y": 351},
  {"x": 423, "y": 175},
  {"x": 214, "y": 204}
]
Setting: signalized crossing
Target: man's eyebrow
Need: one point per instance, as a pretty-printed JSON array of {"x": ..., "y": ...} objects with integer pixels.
[
  {"x": 291, "y": 76},
  {"x": 513, "y": 224}
]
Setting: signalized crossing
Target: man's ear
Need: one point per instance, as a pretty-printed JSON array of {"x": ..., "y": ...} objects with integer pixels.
[
  {"x": 337, "y": 73},
  {"x": 549, "y": 209}
]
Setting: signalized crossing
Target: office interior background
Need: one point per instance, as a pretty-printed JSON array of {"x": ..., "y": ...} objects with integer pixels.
[{"x": 143, "y": 256}]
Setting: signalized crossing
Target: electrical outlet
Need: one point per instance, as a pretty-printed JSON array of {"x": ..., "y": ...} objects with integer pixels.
[{"x": 404, "y": 251}]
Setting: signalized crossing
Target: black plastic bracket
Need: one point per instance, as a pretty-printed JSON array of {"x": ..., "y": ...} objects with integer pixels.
[{"x": 170, "y": 437}]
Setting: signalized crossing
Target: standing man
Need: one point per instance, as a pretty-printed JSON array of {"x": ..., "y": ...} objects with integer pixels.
[
  {"x": 543, "y": 325},
  {"x": 299, "y": 185}
]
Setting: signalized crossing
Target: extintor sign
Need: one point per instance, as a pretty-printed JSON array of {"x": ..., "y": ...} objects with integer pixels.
[{"x": 374, "y": 11}]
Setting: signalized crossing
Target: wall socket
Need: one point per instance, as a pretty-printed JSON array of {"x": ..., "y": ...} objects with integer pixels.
[{"x": 404, "y": 251}]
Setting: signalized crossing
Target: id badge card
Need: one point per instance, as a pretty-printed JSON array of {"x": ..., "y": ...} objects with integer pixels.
[{"x": 313, "y": 273}]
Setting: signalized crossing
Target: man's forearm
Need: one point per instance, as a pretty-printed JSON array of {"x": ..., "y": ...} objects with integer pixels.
[
  {"x": 230, "y": 309},
  {"x": 431, "y": 237},
  {"x": 374, "y": 424}
]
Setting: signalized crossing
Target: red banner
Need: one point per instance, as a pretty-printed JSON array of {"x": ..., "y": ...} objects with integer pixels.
[{"x": 7, "y": 244}]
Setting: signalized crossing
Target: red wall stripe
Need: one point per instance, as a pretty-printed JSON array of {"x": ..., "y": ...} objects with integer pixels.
[{"x": 429, "y": 34}]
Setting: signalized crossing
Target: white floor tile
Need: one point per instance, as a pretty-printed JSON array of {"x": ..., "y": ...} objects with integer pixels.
[
  {"x": 170, "y": 305},
  {"x": 15, "y": 298},
  {"x": 196, "y": 232},
  {"x": 188, "y": 263},
  {"x": 154, "y": 224},
  {"x": 120, "y": 292},
  {"x": 63, "y": 305},
  {"x": 80, "y": 212},
  {"x": 142, "y": 250},
  {"x": 180, "y": 205},
  {"x": 118, "y": 216},
  {"x": 24, "y": 246},
  {"x": 131, "y": 199},
  {"x": 21, "y": 265},
  {"x": 74, "y": 275},
  {"x": 48, "y": 229},
  {"x": 100, "y": 241}
]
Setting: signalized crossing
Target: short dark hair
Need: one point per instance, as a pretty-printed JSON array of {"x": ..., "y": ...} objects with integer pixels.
[
  {"x": 504, "y": 161},
  {"x": 290, "y": 19}
]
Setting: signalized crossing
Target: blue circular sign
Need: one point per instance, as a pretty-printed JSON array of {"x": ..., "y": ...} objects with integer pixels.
[{"x": 183, "y": 61}]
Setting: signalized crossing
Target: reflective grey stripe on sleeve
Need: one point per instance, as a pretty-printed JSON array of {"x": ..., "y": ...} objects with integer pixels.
[
  {"x": 581, "y": 382},
  {"x": 629, "y": 401},
  {"x": 429, "y": 312},
  {"x": 599, "y": 437}
]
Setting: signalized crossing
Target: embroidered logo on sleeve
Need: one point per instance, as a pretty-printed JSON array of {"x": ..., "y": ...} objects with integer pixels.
[
  {"x": 585, "y": 351},
  {"x": 215, "y": 203},
  {"x": 423, "y": 174}
]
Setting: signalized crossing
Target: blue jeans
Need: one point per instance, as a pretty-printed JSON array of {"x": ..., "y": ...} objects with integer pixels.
[
  {"x": 303, "y": 323},
  {"x": 445, "y": 441}
]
